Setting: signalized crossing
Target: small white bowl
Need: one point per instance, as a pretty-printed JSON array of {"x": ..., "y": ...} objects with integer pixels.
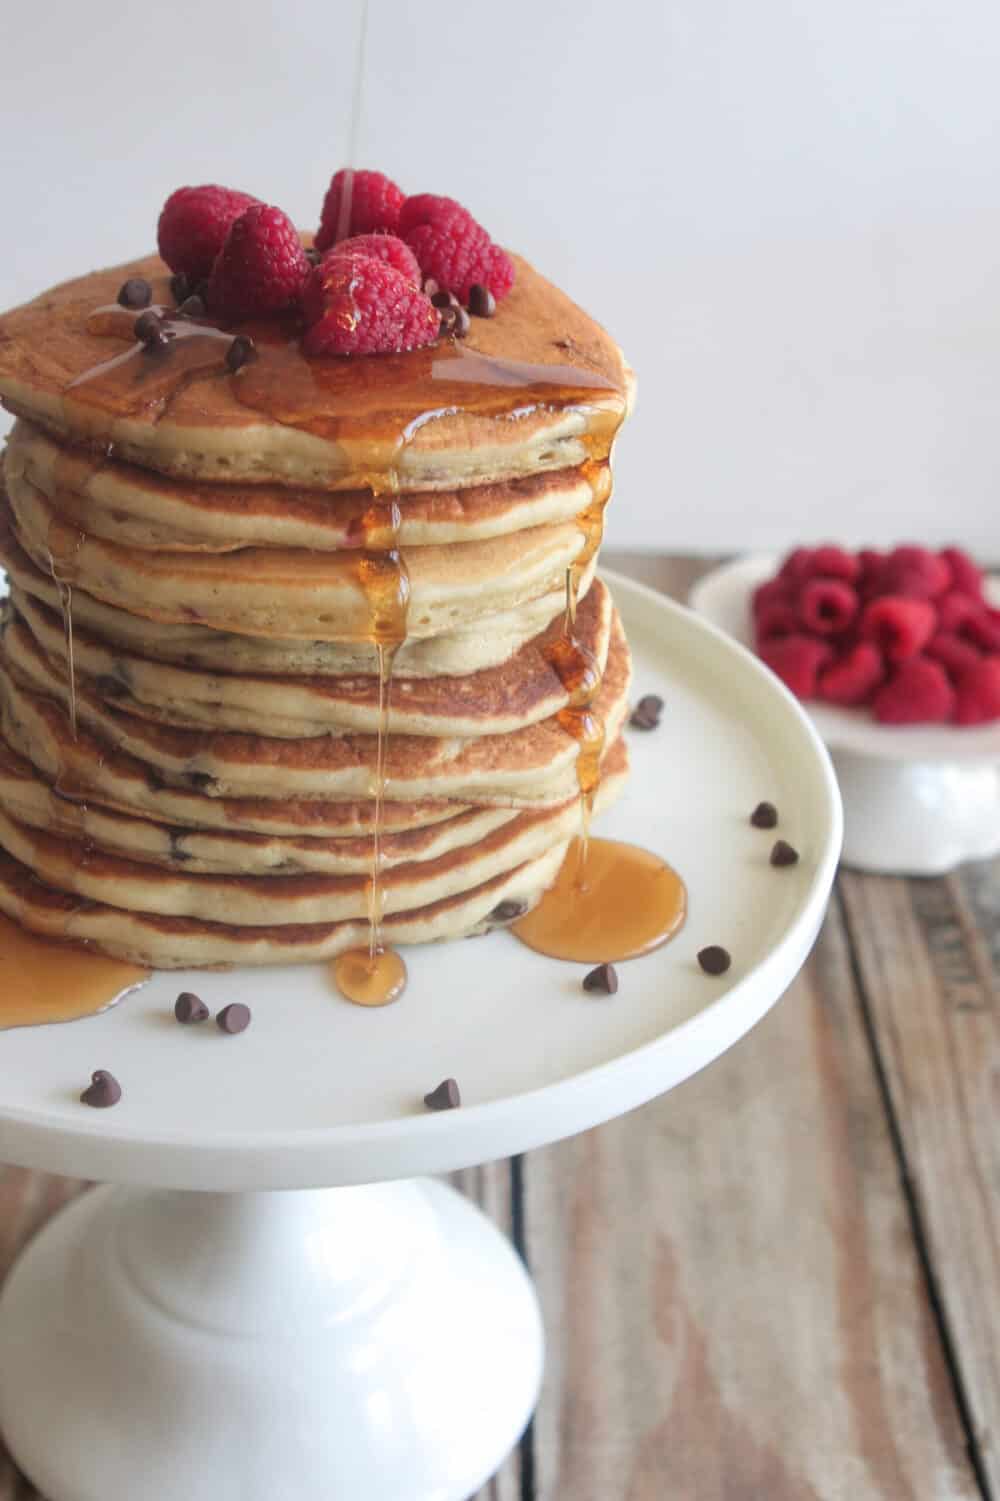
[{"x": 918, "y": 799}]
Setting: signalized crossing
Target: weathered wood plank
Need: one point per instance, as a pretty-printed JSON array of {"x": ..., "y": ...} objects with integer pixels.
[
  {"x": 735, "y": 1306},
  {"x": 928, "y": 953}
]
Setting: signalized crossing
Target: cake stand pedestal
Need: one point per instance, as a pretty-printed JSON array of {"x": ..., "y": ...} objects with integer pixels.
[
  {"x": 918, "y": 800},
  {"x": 274, "y": 1306}
]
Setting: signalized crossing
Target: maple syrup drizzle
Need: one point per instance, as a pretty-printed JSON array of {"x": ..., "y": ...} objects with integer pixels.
[
  {"x": 374, "y": 976},
  {"x": 43, "y": 979},
  {"x": 630, "y": 902}
]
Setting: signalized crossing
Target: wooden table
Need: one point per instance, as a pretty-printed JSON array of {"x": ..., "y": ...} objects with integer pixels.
[{"x": 780, "y": 1282}]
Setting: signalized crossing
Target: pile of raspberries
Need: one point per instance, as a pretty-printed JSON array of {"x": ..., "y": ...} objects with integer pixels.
[
  {"x": 388, "y": 273},
  {"x": 907, "y": 634}
]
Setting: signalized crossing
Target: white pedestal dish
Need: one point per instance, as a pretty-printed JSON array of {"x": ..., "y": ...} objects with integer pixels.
[
  {"x": 918, "y": 800},
  {"x": 198, "y": 1334}
]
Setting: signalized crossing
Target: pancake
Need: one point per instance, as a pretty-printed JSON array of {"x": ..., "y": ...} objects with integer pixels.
[
  {"x": 536, "y": 763},
  {"x": 30, "y": 800},
  {"x": 85, "y": 770},
  {"x": 185, "y": 943},
  {"x": 495, "y": 701},
  {"x": 294, "y": 592},
  {"x": 80, "y": 868},
  {"x": 137, "y": 508},
  {"x": 489, "y": 642},
  {"x": 450, "y": 416}
]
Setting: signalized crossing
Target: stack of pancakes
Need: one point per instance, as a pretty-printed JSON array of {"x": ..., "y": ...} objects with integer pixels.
[{"x": 189, "y": 696}]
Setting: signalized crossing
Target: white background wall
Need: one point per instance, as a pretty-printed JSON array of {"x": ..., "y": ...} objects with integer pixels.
[{"x": 788, "y": 211}]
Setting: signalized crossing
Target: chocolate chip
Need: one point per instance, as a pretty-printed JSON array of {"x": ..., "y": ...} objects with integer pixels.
[
  {"x": 443, "y": 299},
  {"x": 447, "y": 1096},
  {"x": 180, "y": 287},
  {"x": 109, "y": 687},
  {"x": 240, "y": 352},
  {"x": 136, "y": 292},
  {"x": 714, "y": 960},
  {"x": 604, "y": 979},
  {"x": 430, "y": 287},
  {"x": 148, "y": 328},
  {"x": 462, "y": 323},
  {"x": 764, "y": 816},
  {"x": 508, "y": 911},
  {"x": 234, "y": 1018},
  {"x": 482, "y": 303},
  {"x": 102, "y": 1091},
  {"x": 192, "y": 307},
  {"x": 784, "y": 853},
  {"x": 177, "y": 850},
  {"x": 314, "y": 256},
  {"x": 449, "y": 320},
  {"x": 646, "y": 714},
  {"x": 190, "y": 1008}
]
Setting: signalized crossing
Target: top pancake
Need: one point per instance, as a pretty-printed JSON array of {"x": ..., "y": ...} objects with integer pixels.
[{"x": 540, "y": 386}]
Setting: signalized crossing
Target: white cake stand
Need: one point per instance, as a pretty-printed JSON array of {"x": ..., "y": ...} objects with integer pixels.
[
  {"x": 918, "y": 800},
  {"x": 378, "y": 1342}
]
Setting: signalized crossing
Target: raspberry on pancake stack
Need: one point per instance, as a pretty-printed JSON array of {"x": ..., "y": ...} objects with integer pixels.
[{"x": 304, "y": 652}]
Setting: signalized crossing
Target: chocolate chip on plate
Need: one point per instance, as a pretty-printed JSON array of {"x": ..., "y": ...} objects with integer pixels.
[
  {"x": 449, "y": 320},
  {"x": 180, "y": 287},
  {"x": 136, "y": 292},
  {"x": 443, "y": 299},
  {"x": 447, "y": 1096},
  {"x": 646, "y": 714},
  {"x": 192, "y": 307},
  {"x": 784, "y": 853},
  {"x": 234, "y": 1018},
  {"x": 102, "y": 1091},
  {"x": 462, "y": 323},
  {"x": 240, "y": 352},
  {"x": 714, "y": 959},
  {"x": 190, "y": 1008},
  {"x": 314, "y": 256},
  {"x": 764, "y": 816},
  {"x": 482, "y": 303},
  {"x": 603, "y": 979}
]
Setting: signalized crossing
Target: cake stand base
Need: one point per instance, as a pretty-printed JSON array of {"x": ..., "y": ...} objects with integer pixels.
[
  {"x": 351, "y": 1344},
  {"x": 917, "y": 818}
]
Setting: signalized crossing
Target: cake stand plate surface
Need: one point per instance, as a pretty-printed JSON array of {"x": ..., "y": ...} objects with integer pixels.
[
  {"x": 363, "y": 1337},
  {"x": 918, "y": 800}
]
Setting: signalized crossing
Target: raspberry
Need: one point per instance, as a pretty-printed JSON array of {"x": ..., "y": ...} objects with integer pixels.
[
  {"x": 832, "y": 562},
  {"x": 453, "y": 248},
  {"x": 898, "y": 626},
  {"x": 777, "y": 619},
  {"x": 355, "y": 304},
  {"x": 918, "y": 693},
  {"x": 375, "y": 204},
  {"x": 872, "y": 571},
  {"x": 796, "y": 567},
  {"x": 383, "y": 247},
  {"x": 916, "y": 571},
  {"x": 954, "y": 609},
  {"x": 261, "y": 268},
  {"x": 773, "y": 592},
  {"x": 965, "y": 576},
  {"x": 984, "y": 629},
  {"x": 952, "y": 652},
  {"x": 827, "y": 605},
  {"x": 434, "y": 208},
  {"x": 978, "y": 695},
  {"x": 852, "y": 678},
  {"x": 797, "y": 661},
  {"x": 193, "y": 226}
]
